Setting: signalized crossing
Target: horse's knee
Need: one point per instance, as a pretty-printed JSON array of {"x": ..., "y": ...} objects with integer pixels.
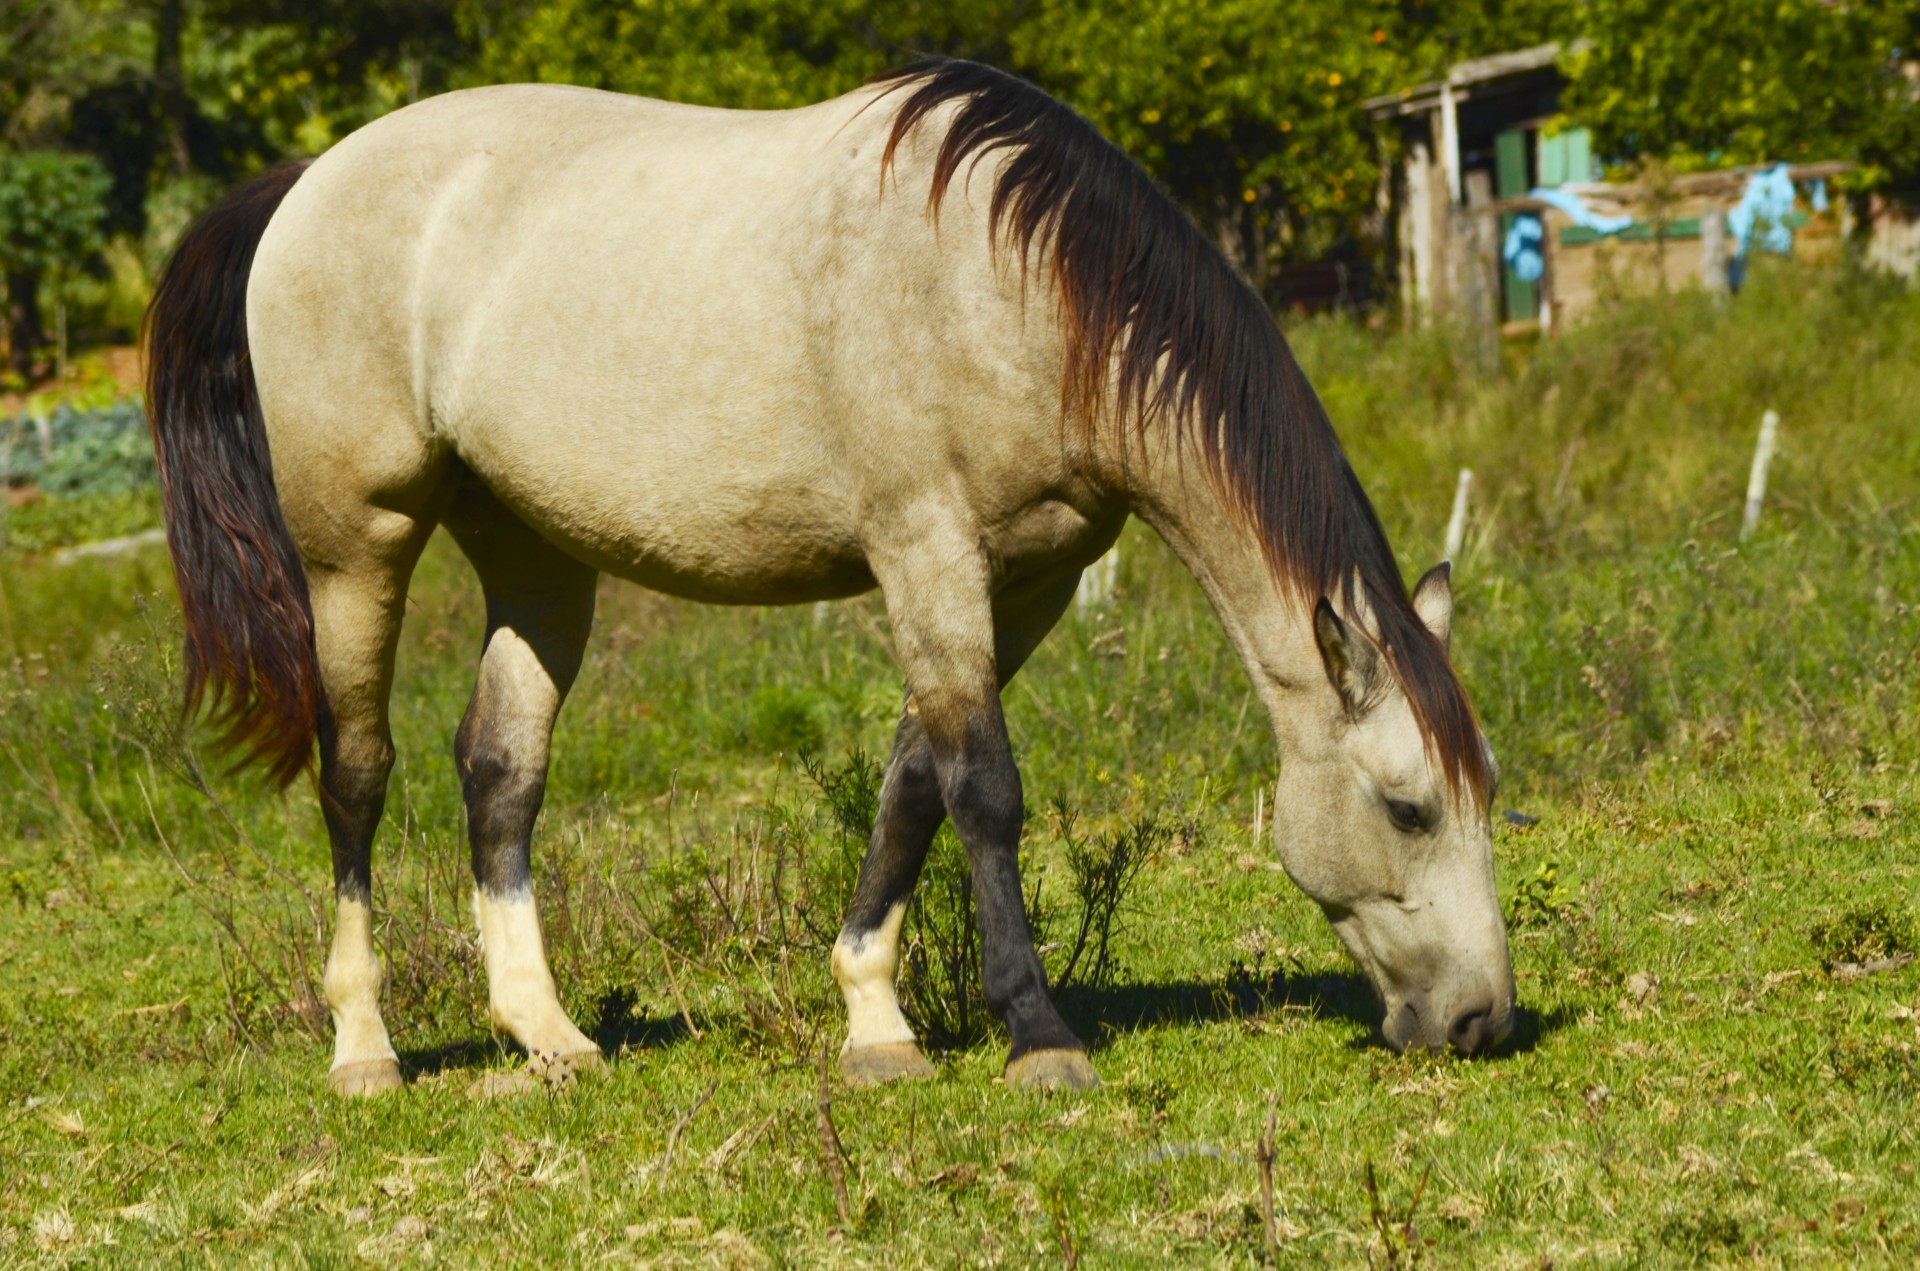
[
  {"x": 910, "y": 793},
  {"x": 503, "y": 789},
  {"x": 984, "y": 800}
]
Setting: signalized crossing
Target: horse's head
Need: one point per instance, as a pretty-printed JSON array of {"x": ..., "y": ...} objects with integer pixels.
[{"x": 1370, "y": 827}]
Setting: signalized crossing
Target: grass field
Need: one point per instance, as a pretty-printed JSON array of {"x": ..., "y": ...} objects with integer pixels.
[{"x": 1714, "y": 916}]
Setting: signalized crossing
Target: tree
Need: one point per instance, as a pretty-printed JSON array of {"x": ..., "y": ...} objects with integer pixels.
[
  {"x": 744, "y": 54},
  {"x": 1705, "y": 84},
  {"x": 51, "y": 208},
  {"x": 1251, "y": 118}
]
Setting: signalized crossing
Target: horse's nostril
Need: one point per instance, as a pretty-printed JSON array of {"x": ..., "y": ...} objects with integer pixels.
[{"x": 1471, "y": 1029}]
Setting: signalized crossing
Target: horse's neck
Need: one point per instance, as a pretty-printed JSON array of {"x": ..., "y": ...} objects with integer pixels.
[{"x": 1270, "y": 629}]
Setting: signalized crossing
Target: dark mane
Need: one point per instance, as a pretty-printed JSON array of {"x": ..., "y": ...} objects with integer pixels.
[{"x": 1148, "y": 302}]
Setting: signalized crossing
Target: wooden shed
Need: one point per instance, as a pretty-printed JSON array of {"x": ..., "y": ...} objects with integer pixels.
[{"x": 1480, "y": 147}]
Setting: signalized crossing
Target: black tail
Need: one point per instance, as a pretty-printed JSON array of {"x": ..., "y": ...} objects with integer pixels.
[{"x": 249, "y": 649}]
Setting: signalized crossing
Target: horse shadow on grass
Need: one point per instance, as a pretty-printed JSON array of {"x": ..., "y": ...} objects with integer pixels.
[
  {"x": 1096, "y": 1014},
  {"x": 1101, "y": 1014}
]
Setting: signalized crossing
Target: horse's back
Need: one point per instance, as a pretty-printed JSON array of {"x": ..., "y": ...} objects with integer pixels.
[{"x": 691, "y": 345}]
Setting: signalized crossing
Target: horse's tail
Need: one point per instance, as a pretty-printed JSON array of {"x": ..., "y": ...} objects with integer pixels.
[{"x": 249, "y": 625}]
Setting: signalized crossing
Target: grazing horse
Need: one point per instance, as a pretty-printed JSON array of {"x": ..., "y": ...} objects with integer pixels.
[{"x": 937, "y": 337}]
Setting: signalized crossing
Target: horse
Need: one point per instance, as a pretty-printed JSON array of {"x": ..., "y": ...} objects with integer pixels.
[{"x": 936, "y": 337}]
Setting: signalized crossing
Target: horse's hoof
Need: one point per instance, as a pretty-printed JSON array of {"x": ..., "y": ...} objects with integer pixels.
[
  {"x": 1052, "y": 1070},
  {"x": 877, "y": 1065},
  {"x": 368, "y": 1077}
]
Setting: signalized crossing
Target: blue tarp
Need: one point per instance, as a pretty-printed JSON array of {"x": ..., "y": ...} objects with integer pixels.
[
  {"x": 1526, "y": 237},
  {"x": 1763, "y": 207},
  {"x": 1522, "y": 251},
  {"x": 1582, "y": 215}
]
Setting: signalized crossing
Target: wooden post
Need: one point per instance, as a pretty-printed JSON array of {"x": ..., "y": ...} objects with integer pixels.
[
  {"x": 1457, "y": 524},
  {"x": 1757, "y": 478},
  {"x": 1096, "y": 582},
  {"x": 1713, "y": 250}
]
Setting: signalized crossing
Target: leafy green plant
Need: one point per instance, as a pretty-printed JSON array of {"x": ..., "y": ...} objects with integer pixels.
[
  {"x": 1103, "y": 869},
  {"x": 76, "y": 451},
  {"x": 1865, "y": 932},
  {"x": 52, "y": 206},
  {"x": 1540, "y": 900}
]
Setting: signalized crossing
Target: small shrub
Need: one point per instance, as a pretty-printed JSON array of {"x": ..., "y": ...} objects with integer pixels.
[
  {"x": 1865, "y": 933},
  {"x": 1540, "y": 900},
  {"x": 852, "y": 791},
  {"x": 1103, "y": 871},
  {"x": 103, "y": 450},
  {"x": 1703, "y": 1237},
  {"x": 1864, "y": 1061},
  {"x": 940, "y": 986}
]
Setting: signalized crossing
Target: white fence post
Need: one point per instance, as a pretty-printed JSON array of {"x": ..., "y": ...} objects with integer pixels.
[
  {"x": 1757, "y": 478},
  {"x": 1096, "y": 582},
  {"x": 1457, "y": 524}
]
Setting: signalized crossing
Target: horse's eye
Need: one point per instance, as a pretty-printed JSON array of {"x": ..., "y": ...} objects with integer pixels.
[{"x": 1405, "y": 816}]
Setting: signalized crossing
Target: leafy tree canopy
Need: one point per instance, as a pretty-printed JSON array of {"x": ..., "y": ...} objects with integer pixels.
[
  {"x": 1721, "y": 82},
  {"x": 51, "y": 207}
]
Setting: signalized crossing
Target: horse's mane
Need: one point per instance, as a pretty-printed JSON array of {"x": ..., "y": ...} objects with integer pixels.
[{"x": 1151, "y": 306}]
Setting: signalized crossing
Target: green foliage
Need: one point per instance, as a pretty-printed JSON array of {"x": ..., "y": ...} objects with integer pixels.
[
  {"x": 47, "y": 524},
  {"x": 1540, "y": 900},
  {"x": 1102, "y": 869},
  {"x": 1706, "y": 84},
  {"x": 744, "y": 54},
  {"x": 273, "y": 78},
  {"x": 1865, "y": 933},
  {"x": 1434, "y": 34},
  {"x": 1250, "y": 117},
  {"x": 101, "y": 451},
  {"x": 88, "y": 470},
  {"x": 51, "y": 209}
]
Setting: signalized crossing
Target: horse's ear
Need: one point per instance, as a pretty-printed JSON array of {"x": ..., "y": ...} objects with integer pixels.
[
  {"x": 1350, "y": 658},
  {"x": 1433, "y": 601}
]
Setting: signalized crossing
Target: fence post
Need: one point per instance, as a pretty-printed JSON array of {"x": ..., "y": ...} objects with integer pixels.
[
  {"x": 1096, "y": 582},
  {"x": 1457, "y": 524},
  {"x": 1757, "y": 478}
]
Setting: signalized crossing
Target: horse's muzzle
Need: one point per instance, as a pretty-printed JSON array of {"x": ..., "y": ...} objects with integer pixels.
[{"x": 1473, "y": 1027}]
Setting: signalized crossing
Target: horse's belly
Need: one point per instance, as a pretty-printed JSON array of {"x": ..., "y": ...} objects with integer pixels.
[{"x": 698, "y": 530}]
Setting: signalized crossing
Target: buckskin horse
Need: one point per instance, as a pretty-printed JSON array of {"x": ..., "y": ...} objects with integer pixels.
[{"x": 937, "y": 337}]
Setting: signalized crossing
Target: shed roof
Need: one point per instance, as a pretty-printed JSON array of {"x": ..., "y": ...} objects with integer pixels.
[{"x": 1464, "y": 78}]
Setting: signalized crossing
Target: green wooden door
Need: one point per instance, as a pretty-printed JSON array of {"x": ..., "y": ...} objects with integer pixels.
[
  {"x": 1564, "y": 157},
  {"x": 1520, "y": 299}
]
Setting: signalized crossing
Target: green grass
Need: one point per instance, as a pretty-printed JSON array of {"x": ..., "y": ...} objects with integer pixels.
[{"x": 1719, "y": 741}]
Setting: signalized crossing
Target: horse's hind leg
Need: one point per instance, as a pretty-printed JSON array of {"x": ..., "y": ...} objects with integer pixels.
[
  {"x": 951, "y": 756},
  {"x": 358, "y": 595},
  {"x": 866, "y": 957},
  {"x": 539, "y": 612}
]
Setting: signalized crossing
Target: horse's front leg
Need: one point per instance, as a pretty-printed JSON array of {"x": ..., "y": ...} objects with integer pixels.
[
  {"x": 954, "y": 653},
  {"x": 539, "y": 613}
]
